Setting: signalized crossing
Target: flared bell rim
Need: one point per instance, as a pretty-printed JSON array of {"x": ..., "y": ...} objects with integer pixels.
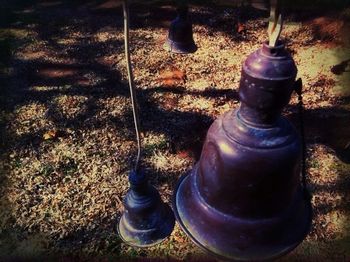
[
  {"x": 151, "y": 237},
  {"x": 180, "y": 48},
  {"x": 183, "y": 179}
]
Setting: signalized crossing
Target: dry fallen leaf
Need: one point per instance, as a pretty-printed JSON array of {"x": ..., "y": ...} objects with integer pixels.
[
  {"x": 172, "y": 76},
  {"x": 240, "y": 28},
  {"x": 184, "y": 154},
  {"x": 50, "y": 134}
]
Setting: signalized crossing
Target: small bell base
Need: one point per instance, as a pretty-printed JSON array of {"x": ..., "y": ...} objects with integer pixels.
[
  {"x": 147, "y": 220},
  {"x": 147, "y": 237},
  {"x": 232, "y": 238},
  {"x": 179, "y": 48}
]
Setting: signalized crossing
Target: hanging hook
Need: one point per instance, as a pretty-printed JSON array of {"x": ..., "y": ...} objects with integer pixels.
[{"x": 275, "y": 23}]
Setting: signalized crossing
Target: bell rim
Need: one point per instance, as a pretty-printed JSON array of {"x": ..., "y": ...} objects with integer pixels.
[
  {"x": 216, "y": 255},
  {"x": 170, "y": 219},
  {"x": 174, "y": 47}
]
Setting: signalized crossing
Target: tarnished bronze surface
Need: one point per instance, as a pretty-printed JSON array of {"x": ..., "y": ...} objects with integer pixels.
[
  {"x": 146, "y": 220},
  {"x": 243, "y": 200}
]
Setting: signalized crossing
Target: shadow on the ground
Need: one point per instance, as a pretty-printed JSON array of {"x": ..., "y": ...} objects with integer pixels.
[{"x": 328, "y": 126}]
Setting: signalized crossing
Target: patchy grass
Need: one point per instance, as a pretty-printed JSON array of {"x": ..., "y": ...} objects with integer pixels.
[{"x": 67, "y": 137}]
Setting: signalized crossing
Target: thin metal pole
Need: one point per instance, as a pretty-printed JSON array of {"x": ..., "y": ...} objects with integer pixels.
[{"x": 131, "y": 82}]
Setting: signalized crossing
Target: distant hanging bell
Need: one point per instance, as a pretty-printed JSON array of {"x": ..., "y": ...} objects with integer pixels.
[
  {"x": 180, "y": 37},
  {"x": 261, "y": 4},
  {"x": 146, "y": 220},
  {"x": 243, "y": 200}
]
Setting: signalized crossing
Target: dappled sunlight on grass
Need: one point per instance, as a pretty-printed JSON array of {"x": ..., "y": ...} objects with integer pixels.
[{"x": 67, "y": 132}]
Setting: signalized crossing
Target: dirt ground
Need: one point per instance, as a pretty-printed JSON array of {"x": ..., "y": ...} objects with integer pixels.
[{"x": 67, "y": 137}]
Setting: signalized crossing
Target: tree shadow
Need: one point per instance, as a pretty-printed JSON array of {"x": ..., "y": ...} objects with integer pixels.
[
  {"x": 335, "y": 134},
  {"x": 328, "y": 126}
]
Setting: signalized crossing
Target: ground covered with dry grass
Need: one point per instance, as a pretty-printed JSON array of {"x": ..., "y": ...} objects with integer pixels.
[{"x": 67, "y": 137}]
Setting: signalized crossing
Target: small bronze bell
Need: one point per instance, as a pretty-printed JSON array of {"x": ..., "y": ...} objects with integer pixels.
[
  {"x": 146, "y": 220},
  {"x": 180, "y": 37},
  {"x": 243, "y": 200}
]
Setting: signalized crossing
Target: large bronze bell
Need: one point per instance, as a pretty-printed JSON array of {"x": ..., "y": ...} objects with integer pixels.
[
  {"x": 243, "y": 200},
  {"x": 180, "y": 37},
  {"x": 146, "y": 220}
]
